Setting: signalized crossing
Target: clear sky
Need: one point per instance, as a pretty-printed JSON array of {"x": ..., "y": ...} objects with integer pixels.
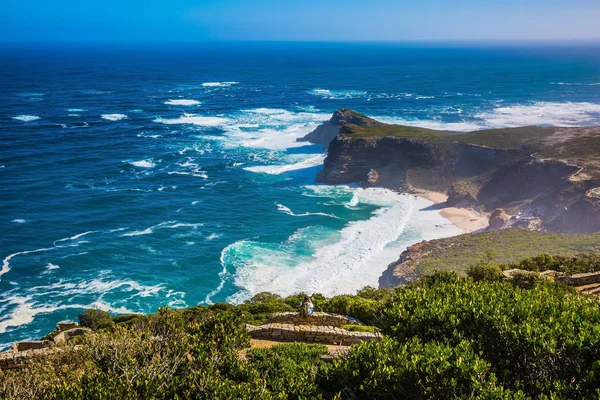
[{"x": 308, "y": 20}]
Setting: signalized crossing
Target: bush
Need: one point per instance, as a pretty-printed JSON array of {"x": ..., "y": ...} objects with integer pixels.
[
  {"x": 536, "y": 340},
  {"x": 413, "y": 370},
  {"x": 525, "y": 280},
  {"x": 488, "y": 273},
  {"x": 95, "y": 319},
  {"x": 264, "y": 297},
  {"x": 364, "y": 309}
]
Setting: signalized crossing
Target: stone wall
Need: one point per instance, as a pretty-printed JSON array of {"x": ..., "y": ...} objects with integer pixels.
[
  {"x": 15, "y": 359},
  {"x": 310, "y": 334},
  {"x": 580, "y": 279},
  {"x": 317, "y": 318},
  {"x": 31, "y": 345}
]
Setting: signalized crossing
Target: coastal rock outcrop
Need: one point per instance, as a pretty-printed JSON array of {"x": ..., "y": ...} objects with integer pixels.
[
  {"x": 327, "y": 131},
  {"x": 462, "y": 194},
  {"x": 499, "y": 219},
  {"x": 549, "y": 177}
]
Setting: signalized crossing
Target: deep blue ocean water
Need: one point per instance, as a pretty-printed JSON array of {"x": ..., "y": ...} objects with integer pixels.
[{"x": 138, "y": 176}]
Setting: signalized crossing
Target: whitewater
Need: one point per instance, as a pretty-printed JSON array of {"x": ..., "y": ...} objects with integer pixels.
[{"x": 175, "y": 176}]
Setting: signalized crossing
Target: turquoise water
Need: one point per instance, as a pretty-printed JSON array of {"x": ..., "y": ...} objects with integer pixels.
[{"x": 136, "y": 177}]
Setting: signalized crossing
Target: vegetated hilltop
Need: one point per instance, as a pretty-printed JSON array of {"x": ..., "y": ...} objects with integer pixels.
[
  {"x": 482, "y": 336},
  {"x": 506, "y": 246},
  {"x": 542, "y": 177}
]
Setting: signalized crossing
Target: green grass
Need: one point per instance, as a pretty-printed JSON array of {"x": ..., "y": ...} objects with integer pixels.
[
  {"x": 506, "y": 245},
  {"x": 508, "y": 138}
]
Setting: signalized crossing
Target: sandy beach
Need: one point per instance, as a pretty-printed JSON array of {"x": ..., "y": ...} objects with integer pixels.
[{"x": 465, "y": 219}]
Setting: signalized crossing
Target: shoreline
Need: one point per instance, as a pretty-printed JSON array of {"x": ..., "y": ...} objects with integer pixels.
[{"x": 465, "y": 219}]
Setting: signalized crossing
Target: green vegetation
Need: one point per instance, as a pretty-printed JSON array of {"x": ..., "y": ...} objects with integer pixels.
[
  {"x": 508, "y": 246},
  {"x": 445, "y": 336},
  {"x": 95, "y": 319},
  {"x": 506, "y": 138},
  {"x": 578, "y": 264}
]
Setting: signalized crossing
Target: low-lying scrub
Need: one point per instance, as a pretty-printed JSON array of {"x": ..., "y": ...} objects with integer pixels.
[{"x": 444, "y": 337}]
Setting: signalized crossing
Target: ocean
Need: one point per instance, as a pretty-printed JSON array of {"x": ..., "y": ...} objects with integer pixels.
[{"x": 136, "y": 176}]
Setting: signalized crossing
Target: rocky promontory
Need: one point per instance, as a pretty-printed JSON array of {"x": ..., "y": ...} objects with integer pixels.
[
  {"x": 542, "y": 177},
  {"x": 328, "y": 130}
]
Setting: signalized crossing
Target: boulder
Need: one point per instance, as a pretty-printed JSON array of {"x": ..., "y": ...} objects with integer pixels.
[
  {"x": 64, "y": 336},
  {"x": 372, "y": 176},
  {"x": 498, "y": 219}
]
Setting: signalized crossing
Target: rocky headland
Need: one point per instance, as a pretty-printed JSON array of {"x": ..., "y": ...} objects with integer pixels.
[{"x": 544, "y": 179}]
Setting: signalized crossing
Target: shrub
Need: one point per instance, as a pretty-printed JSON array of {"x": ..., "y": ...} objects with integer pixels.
[
  {"x": 95, "y": 319},
  {"x": 364, "y": 309},
  {"x": 489, "y": 273},
  {"x": 525, "y": 280},
  {"x": 413, "y": 370},
  {"x": 264, "y": 297},
  {"x": 535, "y": 340},
  {"x": 289, "y": 369},
  {"x": 128, "y": 319}
]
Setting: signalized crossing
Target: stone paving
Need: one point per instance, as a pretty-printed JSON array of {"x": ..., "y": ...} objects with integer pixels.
[{"x": 316, "y": 328}]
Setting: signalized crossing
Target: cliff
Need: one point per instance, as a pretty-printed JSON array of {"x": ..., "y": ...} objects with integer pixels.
[{"x": 547, "y": 175}]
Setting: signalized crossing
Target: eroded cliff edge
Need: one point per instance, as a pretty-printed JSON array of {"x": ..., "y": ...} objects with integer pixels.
[{"x": 542, "y": 178}]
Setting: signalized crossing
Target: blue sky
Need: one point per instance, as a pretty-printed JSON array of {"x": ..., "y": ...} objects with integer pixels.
[{"x": 309, "y": 20}]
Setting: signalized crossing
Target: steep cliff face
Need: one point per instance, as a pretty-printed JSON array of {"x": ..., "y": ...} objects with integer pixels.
[
  {"x": 327, "y": 131},
  {"x": 350, "y": 159}
]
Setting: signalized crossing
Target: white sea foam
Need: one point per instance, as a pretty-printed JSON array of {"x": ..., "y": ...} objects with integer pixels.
[
  {"x": 143, "y": 164},
  {"x": 162, "y": 225},
  {"x": 280, "y": 169},
  {"x": 182, "y": 102},
  {"x": 196, "y": 172},
  {"x": 19, "y": 221},
  {"x": 74, "y": 237},
  {"x": 6, "y": 262},
  {"x": 277, "y": 128},
  {"x": 26, "y": 118},
  {"x": 21, "y": 309},
  {"x": 194, "y": 119},
  {"x": 113, "y": 117},
  {"x": 342, "y": 262},
  {"x": 542, "y": 113},
  {"x": 49, "y": 268},
  {"x": 223, "y": 276},
  {"x": 538, "y": 113},
  {"x": 219, "y": 84},
  {"x": 338, "y": 94},
  {"x": 213, "y": 236},
  {"x": 286, "y": 210},
  {"x": 146, "y": 231},
  {"x": 75, "y": 110}
]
